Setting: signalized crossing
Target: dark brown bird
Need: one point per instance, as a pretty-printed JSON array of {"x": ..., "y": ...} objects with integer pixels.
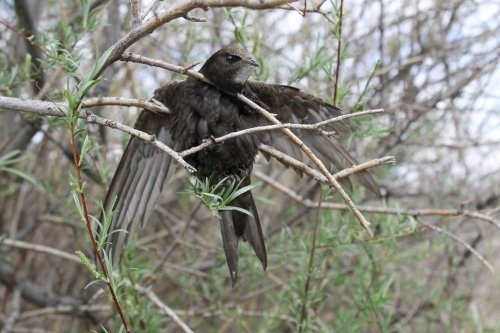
[{"x": 200, "y": 111}]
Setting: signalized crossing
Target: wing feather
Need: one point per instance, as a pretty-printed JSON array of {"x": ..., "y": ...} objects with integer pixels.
[
  {"x": 138, "y": 181},
  {"x": 295, "y": 106}
]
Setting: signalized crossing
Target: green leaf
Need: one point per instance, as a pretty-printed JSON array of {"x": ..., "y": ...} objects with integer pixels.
[
  {"x": 86, "y": 145},
  {"x": 239, "y": 209},
  {"x": 239, "y": 192},
  {"x": 27, "y": 65},
  {"x": 20, "y": 173},
  {"x": 10, "y": 158}
]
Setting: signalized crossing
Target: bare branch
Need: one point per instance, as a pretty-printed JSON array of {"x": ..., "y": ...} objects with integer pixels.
[
  {"x": 64, "y": 309},
  {"x": 34, "y": 106},
  {"x": 40, "y": 248},
  {"x": 46, "y": 108},
  {"x": 151, "y": 6},
  {"x": 92, "y": 118},
  {"x": 322, "y": 168},
  {"x": 461, "y": 241},
  {"x": 164, "y": 307},
  {"x": 135, "y": 12},
  {"x": 315, "y": 126},
  {"x": 377, "y": 210},
  {"x": 99, "y": 101},
  {"x": 53, "y": 109},
  {"x": 302, "y": 167}
]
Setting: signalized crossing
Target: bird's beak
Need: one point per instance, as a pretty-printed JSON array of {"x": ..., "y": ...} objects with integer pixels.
[{"x": 251, "y": 62}]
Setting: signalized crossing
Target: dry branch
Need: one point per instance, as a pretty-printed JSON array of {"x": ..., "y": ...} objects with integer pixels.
[
  {"x": 46, "y": 108},
  {"x": 164, "y": 307},
  {"x": 39, "y": 248},
  {"x": 376, "y": 210}
]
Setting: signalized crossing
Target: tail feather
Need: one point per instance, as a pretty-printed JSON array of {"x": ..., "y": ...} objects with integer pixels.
[
  {"x": 230, "y": 242},
  {"x": 253, "y": 233},
  {"x": 236, "y": 225}
]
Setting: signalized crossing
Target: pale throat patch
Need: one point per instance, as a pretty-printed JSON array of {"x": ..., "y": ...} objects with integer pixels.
[{"x": 243, "y": 74}]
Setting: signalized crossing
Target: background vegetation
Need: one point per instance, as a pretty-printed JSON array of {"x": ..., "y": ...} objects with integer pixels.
[{"x": 432, "y": 65}]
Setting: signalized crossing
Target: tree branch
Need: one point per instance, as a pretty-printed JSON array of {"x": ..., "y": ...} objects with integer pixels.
[
  {"x": 39, "y": 248},
  {"x": 92, "y": 118},
  {"x": 135, "y": 12},
  {"x": 302, "y": 167},
  {"x": 46, "y": 108},
  {"x": 164, "y": 307},
  {"x": 315, "y": 126},
  {"x": 376, "y": 210}
]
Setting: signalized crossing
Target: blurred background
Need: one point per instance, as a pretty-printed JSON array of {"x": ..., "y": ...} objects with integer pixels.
[{"x": 433, "y": 66}]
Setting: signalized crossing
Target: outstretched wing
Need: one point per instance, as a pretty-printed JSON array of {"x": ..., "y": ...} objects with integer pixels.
[
  {"x": 138, "y": 181},
  {"x": 295, "y": 106}
]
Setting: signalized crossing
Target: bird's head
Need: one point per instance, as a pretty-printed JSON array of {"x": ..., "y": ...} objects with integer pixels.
[{"x": 229, "y": 68}]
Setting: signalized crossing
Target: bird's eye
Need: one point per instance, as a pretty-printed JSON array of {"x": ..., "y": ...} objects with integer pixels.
[{"x": 231, "y": 58}]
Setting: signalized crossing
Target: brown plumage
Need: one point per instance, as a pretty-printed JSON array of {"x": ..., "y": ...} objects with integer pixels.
[{"x": 200, "y": 111}]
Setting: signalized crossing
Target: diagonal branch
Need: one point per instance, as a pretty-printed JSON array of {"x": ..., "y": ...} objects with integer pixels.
[
  {"x": 164, "y": 307},
  {"x": 92, "y": 118},
  {"x": 322, "y": 168},
  {"x": 302, "y": 167},
  {"x": 461, "y": 241}
]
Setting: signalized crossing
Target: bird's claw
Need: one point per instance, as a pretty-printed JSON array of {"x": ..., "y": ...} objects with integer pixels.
[{"x": 211, "y": 139}]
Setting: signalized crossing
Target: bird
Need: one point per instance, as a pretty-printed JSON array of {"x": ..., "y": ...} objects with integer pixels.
[{"x": 201, "y": 111}]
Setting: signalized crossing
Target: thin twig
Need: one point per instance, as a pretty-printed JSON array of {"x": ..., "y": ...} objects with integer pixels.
[
  {"x": 39, "y": 248},
  {"x": 377, "y": 210},
  {"x": 28, "y": 39},
  {"x": 89, "y": 225},
  {"x": 92, "y": 118},
  {"x": 310, "y": 264},
  {"x": 316, "y": 126},
  {"x": 339, "y": 54},
  {"x": 461, "y": 241},
  {"x": 151, "y": 6},
  {"x": 303, "y": 168},
  {"x": 164, "y": 307},
  {"x": 49, "y": 310},
  {"x": 135, "y": 12}
]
